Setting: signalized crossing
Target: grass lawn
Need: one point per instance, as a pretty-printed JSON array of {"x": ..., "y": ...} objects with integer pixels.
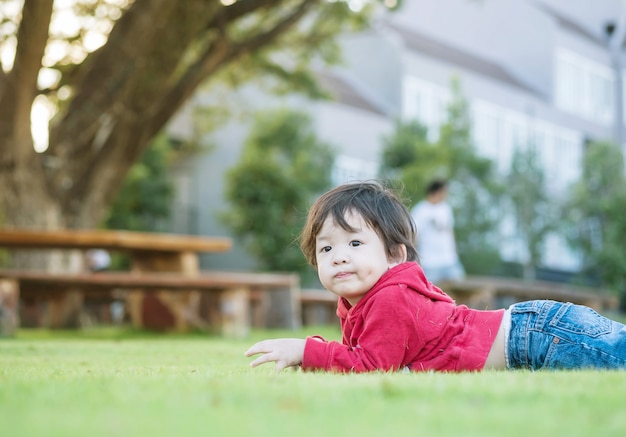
[{"x": 117, "y": 383}]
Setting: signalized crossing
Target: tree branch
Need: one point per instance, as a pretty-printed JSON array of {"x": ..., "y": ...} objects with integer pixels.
[
  {"x": 102, "y": 132},
  {"x": 230, "y": 14},
  {"x": 3, "y": 82},
  {"x": 219, "y": 54},
  {"x": 20, "y": 84},
  {"x": 129, "y": 91}
]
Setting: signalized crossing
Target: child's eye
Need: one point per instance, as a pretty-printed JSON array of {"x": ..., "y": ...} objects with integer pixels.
[
  {"x": 325, "y": 249},
  {"x": 355, "y": 243}
]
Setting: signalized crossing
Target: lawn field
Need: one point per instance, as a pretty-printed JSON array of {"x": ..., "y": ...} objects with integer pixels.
[{"x": 118, "y": 383}]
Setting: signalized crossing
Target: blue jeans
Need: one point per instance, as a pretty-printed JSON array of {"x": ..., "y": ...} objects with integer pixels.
[{"x": 553, "y": 335}]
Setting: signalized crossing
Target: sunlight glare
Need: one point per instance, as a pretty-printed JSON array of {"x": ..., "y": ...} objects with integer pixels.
[
  {"x": 356, "y": 5},
  {"x": 48, "y": 77},
  {"x": 55, "y": 51},
  {"x": 65, "y": 22},
  {"x": 39, "y": 119},
  {"x": 93, "y": 41},
  {"x": 7, "y": 54}
]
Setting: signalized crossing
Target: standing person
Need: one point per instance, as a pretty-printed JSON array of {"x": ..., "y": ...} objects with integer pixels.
[
  {"x": 98, "y": 260},
  {"x": 436, "y": 243},
  {"x": 360, "y": 238}
]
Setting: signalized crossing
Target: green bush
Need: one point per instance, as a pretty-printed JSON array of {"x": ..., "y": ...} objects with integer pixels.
[{"x": 283, "y": 167}]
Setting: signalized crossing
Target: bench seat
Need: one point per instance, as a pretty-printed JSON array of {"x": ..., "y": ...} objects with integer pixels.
[
  {"x": 492, "y": 292},
  {"x": 223, "y": 298},
  {"x": 319, "y": 306}
]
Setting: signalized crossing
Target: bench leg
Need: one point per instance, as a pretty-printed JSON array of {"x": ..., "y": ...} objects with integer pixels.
[
  {"x": 235, "y": 312},
  {"x": 319, "y": 313},
  {"x": 279, "y": 308},
  {"x": 9, "y": 307},
  {"x": 185, "y": 308},
  {"x": 64, "y": 310},
  {"x": 165, "y": 310},
  {"x": 134, "y": 300},
  {"x": 594, "y": 304},
  {"x": 484, "y": 299},
  {"x": 480, "y": 298}
]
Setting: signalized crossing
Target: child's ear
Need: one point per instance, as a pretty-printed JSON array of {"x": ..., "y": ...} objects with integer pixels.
[{"x": 399, "y": 256}]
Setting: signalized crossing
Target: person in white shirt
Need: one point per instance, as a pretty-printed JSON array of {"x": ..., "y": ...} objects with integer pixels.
[
  {"x": 98, "y": 260},
  {"x": 436, "y": 243}
]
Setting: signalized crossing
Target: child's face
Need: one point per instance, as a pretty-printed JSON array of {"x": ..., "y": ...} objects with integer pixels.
[{"x": 350, "y": 263}]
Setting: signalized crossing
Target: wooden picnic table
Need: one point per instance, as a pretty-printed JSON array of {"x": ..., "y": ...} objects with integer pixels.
[
  {"x": 148, "y": 252},
  {"x": 225, "y": 301}
]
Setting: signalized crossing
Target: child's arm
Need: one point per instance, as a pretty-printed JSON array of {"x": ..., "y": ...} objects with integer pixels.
[
  {"x": 383, "y": 345},
  {"x": 389, "y": 337},
  {"x": 285, "y": 352}
]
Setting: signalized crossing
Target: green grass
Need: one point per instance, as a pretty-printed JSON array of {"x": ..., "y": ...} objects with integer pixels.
[{"x": 120, "y": 383}]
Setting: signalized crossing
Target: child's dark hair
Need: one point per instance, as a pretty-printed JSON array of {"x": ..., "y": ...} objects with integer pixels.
[
  {"x": 436, "y": 186},
  {"x": 380, "y": 208}
]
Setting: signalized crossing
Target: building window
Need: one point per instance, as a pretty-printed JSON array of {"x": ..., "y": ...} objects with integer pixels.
[
  {"x": 498, "y": 131},
  {"x": 427, "y": 102},
  {"x": 584, "y": 87},
  {"x": 348, "y": 169}
]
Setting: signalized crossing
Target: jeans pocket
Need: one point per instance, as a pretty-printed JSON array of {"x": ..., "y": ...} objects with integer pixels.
[
  {"x": 531, "y": 306},
  {"x": 580, "y": 320}
]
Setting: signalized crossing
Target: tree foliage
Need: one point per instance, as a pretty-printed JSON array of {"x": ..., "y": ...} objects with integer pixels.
[
  {"x": 474, "y": 190},
  {"x": 282, "y": 168},
  {"x": 118, "y": 70},
  {"x": 534, "y": 212},
  {"x": 145, "y": 197},
  {"x": 111, "y": 100},
  {"x": 596, "y": 213},
  {"x": 414, "y": 161},
  {"x": 409, "y": 159}
]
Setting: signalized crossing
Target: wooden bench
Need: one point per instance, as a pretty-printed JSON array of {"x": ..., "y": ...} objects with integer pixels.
[
  {"x": 484, "y": 292},
  {"x": 148, "y": 252},
  {"x": 221, "y": 300},
  {"x": 481, "y": 292}
]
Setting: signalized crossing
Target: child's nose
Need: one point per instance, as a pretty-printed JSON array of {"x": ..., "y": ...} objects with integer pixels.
[{"x": 340, "y": 257}]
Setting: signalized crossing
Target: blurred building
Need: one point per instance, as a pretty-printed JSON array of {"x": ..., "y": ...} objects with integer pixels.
[{"x": 531, "y": 70}]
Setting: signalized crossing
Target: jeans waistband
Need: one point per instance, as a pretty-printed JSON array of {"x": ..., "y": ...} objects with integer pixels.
[{"x": 506, "y": 325}]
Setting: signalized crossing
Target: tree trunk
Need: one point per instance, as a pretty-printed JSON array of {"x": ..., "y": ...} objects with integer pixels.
[{"x": 157, "y": 54}]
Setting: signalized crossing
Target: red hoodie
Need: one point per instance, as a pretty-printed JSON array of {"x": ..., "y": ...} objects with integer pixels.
[{"x": 404, "y": 321}]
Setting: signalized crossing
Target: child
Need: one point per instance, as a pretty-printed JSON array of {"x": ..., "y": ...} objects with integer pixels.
[{"x": 361, "y": 239}]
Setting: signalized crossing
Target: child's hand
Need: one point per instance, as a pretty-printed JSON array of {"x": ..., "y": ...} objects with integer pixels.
[{"x": 285, "y": 352}]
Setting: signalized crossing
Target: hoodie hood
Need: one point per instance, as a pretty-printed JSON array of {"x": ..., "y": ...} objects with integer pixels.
[{"x": 409, "y": 275}]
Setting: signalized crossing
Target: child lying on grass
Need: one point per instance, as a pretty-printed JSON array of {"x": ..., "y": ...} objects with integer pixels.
[{"x": 361, "y": 239}]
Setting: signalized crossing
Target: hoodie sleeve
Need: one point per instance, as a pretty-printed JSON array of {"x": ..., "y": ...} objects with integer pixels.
[{"x": 385, "y": 339}]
